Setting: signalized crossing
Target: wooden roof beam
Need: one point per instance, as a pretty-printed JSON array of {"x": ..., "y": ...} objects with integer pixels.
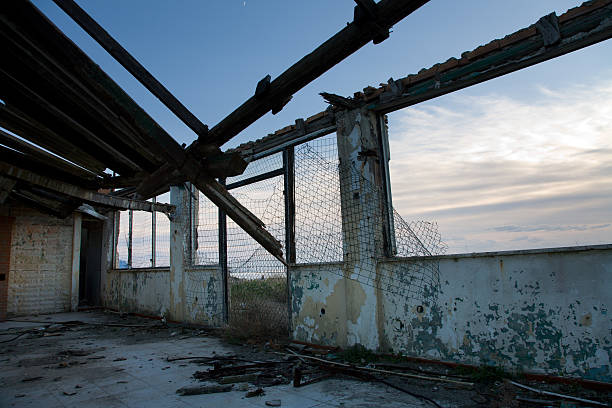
[
  {"x": 42, "y": 156},
  {"x": 39, "y": 30},
  {"x": 132, "y": 65},
  {"x": 34, "y": 67},
  {"x": 271, "y": 96},
  {"x": 579, "y": 27},
  {"x": 15, "y": 92},
  {"x": 88, "y": 196},
  {"x": 25, "y": 126}
]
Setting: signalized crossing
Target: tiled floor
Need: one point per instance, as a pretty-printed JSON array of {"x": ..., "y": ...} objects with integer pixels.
[{"x": 128, "y": 368}]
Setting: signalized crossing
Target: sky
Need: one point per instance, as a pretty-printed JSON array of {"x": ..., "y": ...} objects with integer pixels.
[{"x": 522, "y": 161}]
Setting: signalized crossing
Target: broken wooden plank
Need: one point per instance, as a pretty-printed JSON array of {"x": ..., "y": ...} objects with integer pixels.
[
  {"x": 240, "y": 214},
  {"x": 204, "y": 389},
  {"x": 88, "y": 196}
]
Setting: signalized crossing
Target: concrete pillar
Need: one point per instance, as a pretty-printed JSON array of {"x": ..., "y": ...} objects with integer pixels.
[
  {"x": 76, "y": 261},
  {"x": 364, "y": 219},
  {"x": 179, "y": 250}
]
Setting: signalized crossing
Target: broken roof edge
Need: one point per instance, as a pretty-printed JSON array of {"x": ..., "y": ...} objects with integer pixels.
[
  {"x": 370, "y": 93},
  {"x": 280, "y": 136},
  {"x": 317, "y": 125}
]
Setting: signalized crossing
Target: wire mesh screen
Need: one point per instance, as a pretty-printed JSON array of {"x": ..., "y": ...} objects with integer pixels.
[
  {"x": 207, "y": 232},
  {"x": 365, "y": 215},
  {"x": 318, "y": 220},
  {"x": 257, "y": 281}
]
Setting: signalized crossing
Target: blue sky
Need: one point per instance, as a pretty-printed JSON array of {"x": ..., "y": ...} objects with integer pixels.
[{"x": 211, "y": 54}]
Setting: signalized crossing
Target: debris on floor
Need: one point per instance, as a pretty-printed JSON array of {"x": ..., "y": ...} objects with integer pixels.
[{"x": 108, "y": 359}]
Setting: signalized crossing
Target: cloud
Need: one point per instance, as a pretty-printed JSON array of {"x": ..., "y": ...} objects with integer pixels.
[
  {"x": 541, "y": 164},
  {"x": 518, "y": 228}
]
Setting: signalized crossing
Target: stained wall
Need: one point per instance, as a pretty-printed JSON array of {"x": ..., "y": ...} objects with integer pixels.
[{"x": 542, "y": 311}]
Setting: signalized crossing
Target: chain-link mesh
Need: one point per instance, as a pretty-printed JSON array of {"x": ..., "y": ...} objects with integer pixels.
[
  {"x": 318, "y": 219},
  {"x": 257, "y": 280}
]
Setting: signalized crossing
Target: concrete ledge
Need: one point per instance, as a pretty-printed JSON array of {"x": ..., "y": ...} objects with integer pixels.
[{"x": 557, "y": 250}]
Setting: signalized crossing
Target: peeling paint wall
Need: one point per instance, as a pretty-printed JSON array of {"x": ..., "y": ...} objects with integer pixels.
[
  {"x": 182, "y": 292},
  {"x": 147, "y": 291},
  {"x": 534, "y": 311},
  {"x": 40, "y": 263},
  {"x": 543, "y": 311},
  {"x": 138, "y": 291}
]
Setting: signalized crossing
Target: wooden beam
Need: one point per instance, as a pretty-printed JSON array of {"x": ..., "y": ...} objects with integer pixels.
[
  {"x": 25, "y": 126},
  {"x": 578, "y": 28},
  {"x": 88, "y": 196},
  {"x": 132, "y": 65},
  {"x": 26, "y": 148},
  {"x": 348, "y": 40},
  {"x": 39, "y": 166},
  {"x": 321, "y": 124},
  {"x": 241, "y": 215},
  {"x": 39, "y": 30},
  {"x": 31, "y": 65},
  {"x": 16, "y": 93},
  {"x": 331, "y": 52},
  {"x": 6, "y": 187},
  {"x": 54, "y": 204}
]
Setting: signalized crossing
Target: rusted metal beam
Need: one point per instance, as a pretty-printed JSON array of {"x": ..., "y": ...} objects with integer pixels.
[{"x": 132, "y": 65}]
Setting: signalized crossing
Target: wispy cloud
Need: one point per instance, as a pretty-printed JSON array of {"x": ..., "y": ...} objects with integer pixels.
[{"x": 540, "y": 166}]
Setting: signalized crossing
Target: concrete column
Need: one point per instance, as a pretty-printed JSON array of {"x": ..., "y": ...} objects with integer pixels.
[
  {"x": 76, "y": 261},
  {"x": 179, "y": 250},
  {"x": 362, "y": 189}
]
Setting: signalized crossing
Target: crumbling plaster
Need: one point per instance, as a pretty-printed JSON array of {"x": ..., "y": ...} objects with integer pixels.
[{"x": 540, "y": 311}]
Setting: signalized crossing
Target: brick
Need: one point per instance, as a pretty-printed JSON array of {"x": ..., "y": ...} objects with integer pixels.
[{"x": 39, "y": 263}]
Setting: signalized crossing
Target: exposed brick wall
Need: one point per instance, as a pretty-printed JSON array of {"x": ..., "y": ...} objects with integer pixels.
[
  {"x": 40, "y": 263},
  {"x": 6, "y": 227}
]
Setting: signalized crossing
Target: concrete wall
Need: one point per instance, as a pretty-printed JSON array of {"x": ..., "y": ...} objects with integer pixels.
[
  {"x": 544, "y": 311},
  {"x": 183, "y": 292},
  {"x": 147, "y": 291},
  {"x": 40, "y": 266}
]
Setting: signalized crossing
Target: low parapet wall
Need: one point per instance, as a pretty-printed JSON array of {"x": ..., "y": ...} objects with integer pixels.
[
  {"x": 148, "y": 292},
  {"x": 542, "y": 311}
]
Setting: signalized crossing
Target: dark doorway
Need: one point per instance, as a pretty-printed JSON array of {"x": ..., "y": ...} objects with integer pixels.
[{"x": 91, "y": 262}]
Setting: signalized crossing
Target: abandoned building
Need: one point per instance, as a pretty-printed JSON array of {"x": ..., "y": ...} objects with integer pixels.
[{"x": 293, "y": 234}]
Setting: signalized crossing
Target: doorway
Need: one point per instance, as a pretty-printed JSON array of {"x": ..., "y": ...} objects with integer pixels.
[{"x": 91, "y": 262}]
